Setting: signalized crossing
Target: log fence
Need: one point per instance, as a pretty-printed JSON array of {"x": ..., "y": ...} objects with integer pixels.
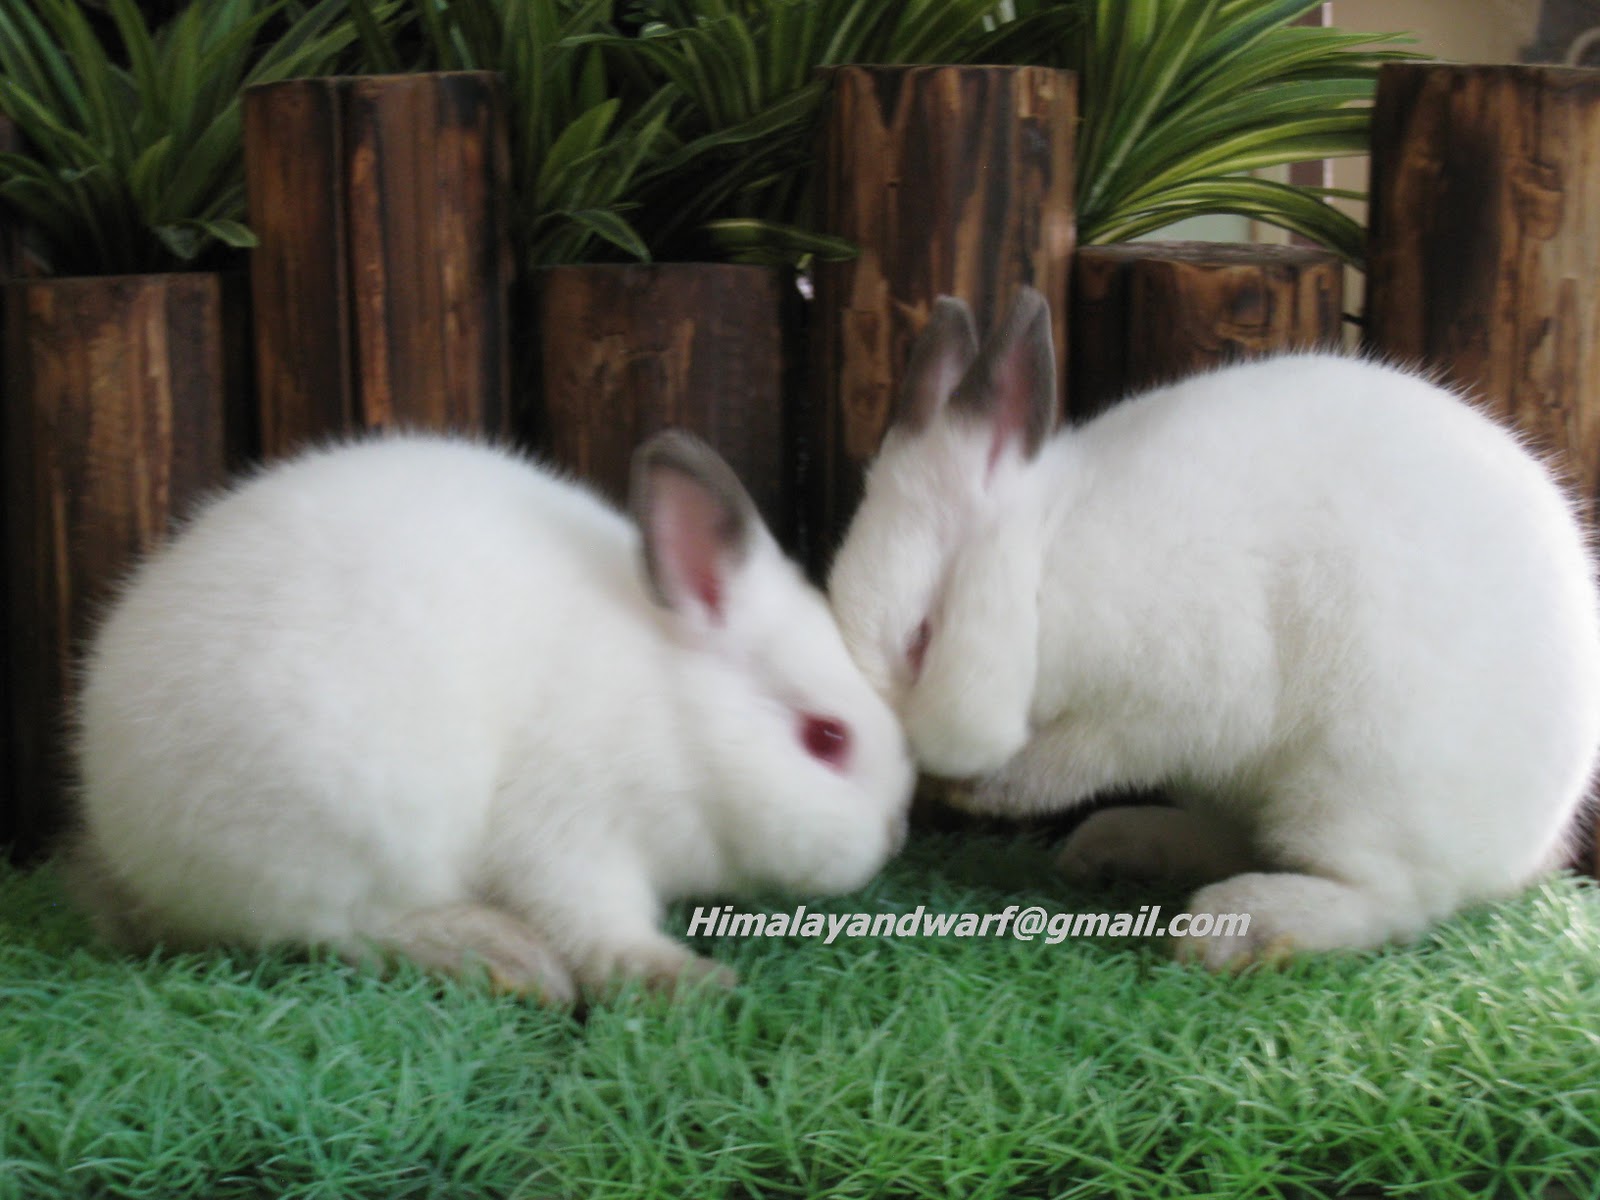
[{"x": 383, "y": 296}]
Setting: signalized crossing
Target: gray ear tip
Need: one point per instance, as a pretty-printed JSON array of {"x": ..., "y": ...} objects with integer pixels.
[
  {"x": 953, "y": 311},
  {"x": 670, "y": 446},
  {"x": 679, "y": 450},
  {"x": 1030, "y": 303}
]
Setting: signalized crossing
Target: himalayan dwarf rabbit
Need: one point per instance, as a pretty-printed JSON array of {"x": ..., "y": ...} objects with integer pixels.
[
  {"x": 1347, "y": 621},
  {"x": 415, "y": 695}
]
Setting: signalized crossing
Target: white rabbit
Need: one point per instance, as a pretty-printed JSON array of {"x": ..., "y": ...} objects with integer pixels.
[
  {"x": 1349, "y": 622},
  {"x": 415, "y": 695}
]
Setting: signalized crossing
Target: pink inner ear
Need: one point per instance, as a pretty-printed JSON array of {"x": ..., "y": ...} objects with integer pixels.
[
  {"x": 1013, "y": 385},
  {"x": 690, "y": 541},
  {"x": 709, "y": 588}
]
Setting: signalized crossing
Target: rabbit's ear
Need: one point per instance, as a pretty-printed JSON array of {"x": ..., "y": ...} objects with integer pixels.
[
  {"x": 697, "y": 521},
  {"x": 941, "y": 356},
  {"x": 1012, "y": 385}
]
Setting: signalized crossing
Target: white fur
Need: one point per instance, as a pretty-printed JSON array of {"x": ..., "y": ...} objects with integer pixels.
[
  {"x": 1325, "y": 601},
  {"x": 411, "y": 693}
]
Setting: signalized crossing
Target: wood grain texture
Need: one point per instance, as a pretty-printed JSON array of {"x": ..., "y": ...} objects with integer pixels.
[
  {"x": 625, "y": 351},
  {"x": 1484, "y": 244},
  {"x": 951, "y": 180},
  {"x": 383, "y": 276},
  {"x": 10, "y": 233},
  {"x": 10, "y": 143},
  {"x": 294, "y": 171},
  {"x": 121, "y": 406},
  {"x": 429, "y": 257},
  {"x": 1147, "y": 313}
]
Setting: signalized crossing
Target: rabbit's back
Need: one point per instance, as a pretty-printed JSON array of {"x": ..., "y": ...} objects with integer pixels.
[
  {"x": 320, "y": 674},
  {"x": 1391, "y": 493},
  {"x": 1332, "y": 560}
]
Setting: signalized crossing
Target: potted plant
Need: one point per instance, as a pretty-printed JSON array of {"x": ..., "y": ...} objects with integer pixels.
[
  {"x": 656, "y": 191},
  {"x": 473, "y": 140},
  {"x": 619, "y": 344},
  {"x": 724, "y": 209},
  {"x": 735, "y": 181},
  {"x": 1179, "y": 100},
  {"x": 1185, "y": 99},
  {"x": 123, "y": 358}
]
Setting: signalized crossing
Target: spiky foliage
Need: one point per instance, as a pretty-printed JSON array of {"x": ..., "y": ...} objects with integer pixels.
[
  {"x": 134, "y": 163},
  {"x": 745, "y": 99},
  {"x": 1182, "y": 99}
]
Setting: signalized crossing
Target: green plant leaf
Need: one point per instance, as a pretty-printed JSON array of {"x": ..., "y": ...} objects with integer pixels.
[
  {"x": 52, "y": 138},
  {"x": 608, "y": 225},
  {"x": 1300, "y": 210},
  {"x": 149, "y": 170},
  {"x": 375, "y": 38},
  {"x": 233, "y": 233},
  {"x": 95, "y": 74},
  {"x": 140, "y": 47},
  {"x": 1254, "y": 149},
  {"x": 583, "y": 136},
  {"x": 771, "y": 243},
  {"x": 33, "y": 59}
]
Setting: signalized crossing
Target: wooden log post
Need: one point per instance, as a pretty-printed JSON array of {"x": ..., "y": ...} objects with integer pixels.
[
  {"x": 121, "y": 406},
  {"x": 1484, "y": 244},
  {"x": 1147, "y": 313},
  {"x": 10, "y": 143},
  {"x": 950, "y": 180},
  {"x": 382, "y": 278},
  {"x": 1483, "y": 260},
  {"x": 625, "y": 351},
  {"x": 10, "y": 231}
]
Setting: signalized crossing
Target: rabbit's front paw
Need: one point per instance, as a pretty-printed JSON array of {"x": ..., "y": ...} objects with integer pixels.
[
  {"x": 983, "y": 797},
  {"x": 1262, "y": 917},
  {"x": 954, "y": 743},
  {"x": 660, "y": 963},
  {"x": 464, "y": 939}
]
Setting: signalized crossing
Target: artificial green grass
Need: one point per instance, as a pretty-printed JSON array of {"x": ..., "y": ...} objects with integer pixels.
[{"x": 1465, "y": 1066}]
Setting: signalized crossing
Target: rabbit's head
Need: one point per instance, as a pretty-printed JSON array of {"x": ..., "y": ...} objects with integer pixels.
[
  {"x": 968, "y": 425},
  {"x": 807, "y": 774}
]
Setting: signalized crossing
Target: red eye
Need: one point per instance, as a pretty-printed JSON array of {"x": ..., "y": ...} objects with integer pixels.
[
  {"x": 917, "y": 647},
  {"x": 826, "y": 739}
]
